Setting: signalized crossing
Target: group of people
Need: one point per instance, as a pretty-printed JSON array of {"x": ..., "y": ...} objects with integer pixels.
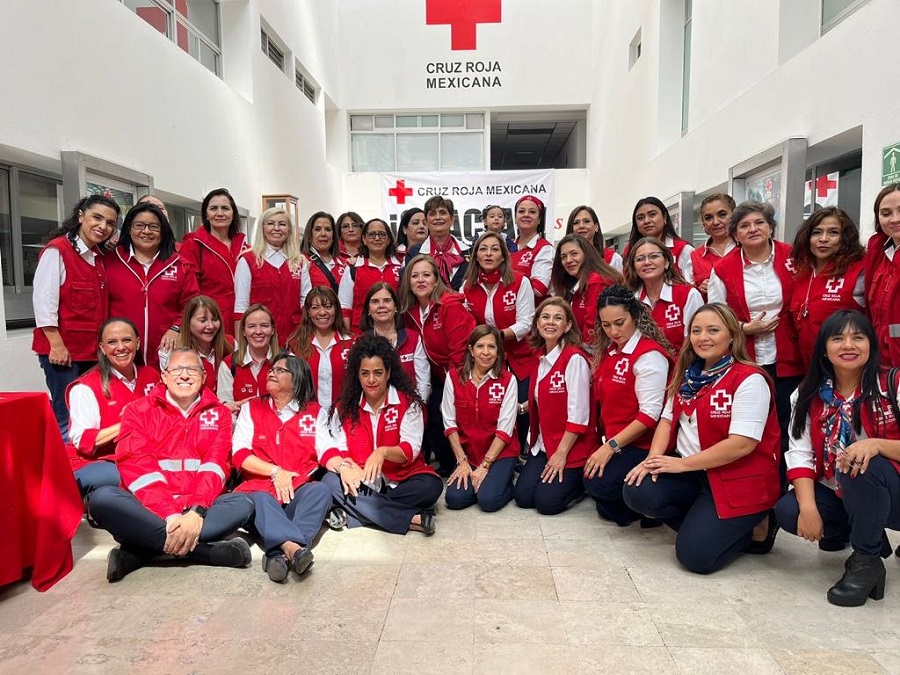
[{"x": 343, "y": 376}]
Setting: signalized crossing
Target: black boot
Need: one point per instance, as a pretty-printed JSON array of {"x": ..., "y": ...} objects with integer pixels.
[{"x": 863, "y": 578}]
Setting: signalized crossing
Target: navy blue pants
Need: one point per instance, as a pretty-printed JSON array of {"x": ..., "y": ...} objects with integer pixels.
[
  {"x": 548, "y": 498},
  {"x": 58, "y": 378},
  {"x": 495, "y": 492},
  {"x": 784, "y": 387},
  {"x": 129, "y": 522},
  {"x": 835, "y": 521},
  {"x": 298, "y": 521},
  {"x": 96, "y": 474},
  {"x": 435, "y": 444},
  {"x": 683, "y": 501},
  {"x": 523, "y": 421},
  {"x": 391, "y": 510},
  {"x": 872, "y": 500},
  {"x": 606, "y": 490}
]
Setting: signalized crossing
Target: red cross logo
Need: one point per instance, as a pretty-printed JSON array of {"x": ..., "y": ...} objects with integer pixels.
[
  {"x": 557, "y": 380},
  {"x": 721, "y": 400},
  {"x": 622, "y": 367},
  {"x": 496, "y": 391},
  {"x": 463, "y": 17},
  {"x": 673, "y": 313},
  {"x": 390, "y": 417},
  {"x": 509, "y": 298},
  {"x": 148, "y": 388},
  {"x": 789, "y": 264},
  {"x": 307, "y": 424},
  {"x": 400, "y": 191},
  {"x": 823, "y": 186},
  {"x": 525, "y": 258},
  {"x": 834, "y": 286},
  {"x": 171, "y": 273},
  {"x": 209, "y": 418},
  {"x": 344, "y": 353}
]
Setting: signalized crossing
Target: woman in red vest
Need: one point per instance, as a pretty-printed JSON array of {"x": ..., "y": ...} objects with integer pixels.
[
  {"x": 149, "y": 283},
  {"x": 651, "y": 218},
  {"x": 499, "y": 296},
  {"x": 534, "y": 257},
  {"x": 412, "y": 231},
  {"x": 440, "y": 317},
  {"x": 278, "y": 439},
  {"x": 651, "y": 273},
  {"x": 844, "y": 458},
  {"x": 383, "y": 317},
  {"x": 883, "y": 275},
  {"x": 320, "y": 246},
  {"x": 242, "y": 374},
  {"x": 375, "y": 263},
  {"x": 830, "y": 264},
  {"x": 583, "y": 221},
  {"x": 563, "y": 416},
  {"x": 376, "y": 471},
  {"x": 715, "y": 216},
  {"x": 718, "y": 489},
  {"x": 350, "y": 226},
  {"x": 96, "y": 400},
  {"x": 213, "y": 250},
  {"x": 203, "y": 331},
  {"x": 273, "y": 273},
  {"x": 71, "y": 298},
  {"x": 631, "y": 369},
  {"x": 579, "y": 276},
  {"x": 479, "y": 410}
]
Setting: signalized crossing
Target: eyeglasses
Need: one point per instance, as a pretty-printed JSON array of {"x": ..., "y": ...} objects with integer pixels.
[
  {"x": 180, "y": 370},
  {"x": 278, "y": 370},
  {"x": 377, "y": 235},
  {"x": 652, "y": 257},
  {"x": 150, "y": 227},
  {"x": 351, "y": 226}
]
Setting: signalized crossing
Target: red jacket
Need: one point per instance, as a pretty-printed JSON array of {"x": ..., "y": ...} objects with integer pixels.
[
  {"x": 730, "y": 270},
  {"x": 83, "y": 304},
  {"x": 477, "y": 413},
  {"x": 614, "y": 390},
  {"x": 883, "y": 298},
  {"x": 153, "y": 301},
  {"x": 445, "y": 333},
  {"x": 584, "y": 304},
  {"x": 171, "y": 462},
  {"x": 319, "y": 277},
  {"x": 816, "y": 297},
  {"x": 215, "y": 264},
  {"x": 362, "y": 277},
  {"x": 246, "y": 385},
  {"x": 521, "y": 357},
  {"x": 670, "y": 316},
  {"x": 278, "y": 288},
  {"x": 747, "y": 485},
  {"x": 523, "y": 260},
  {"x": 290, "y": 445},
  {"x": 110, "y": 411},
  {"x": 551, "y": 420}
]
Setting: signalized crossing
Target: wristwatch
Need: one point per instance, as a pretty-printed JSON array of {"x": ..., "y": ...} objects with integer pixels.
[
  {"x": 614, "y": 445},
  {"x": 199, "y": 510}
]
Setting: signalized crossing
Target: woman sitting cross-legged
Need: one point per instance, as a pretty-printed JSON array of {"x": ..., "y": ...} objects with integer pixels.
[
  {"x": 717, "y": 491},
  {"x": 479, "y": 409},
  {"x": 844, "y": 456},
  {"x": 377, "y": 473},
  {"x": 277, "y": 440}
]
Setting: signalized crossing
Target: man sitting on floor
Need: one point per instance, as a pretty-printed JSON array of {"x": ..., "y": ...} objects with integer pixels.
[{"x": 174, "y": 455}]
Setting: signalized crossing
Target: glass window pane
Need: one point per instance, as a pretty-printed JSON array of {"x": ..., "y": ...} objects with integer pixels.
[
  {"x": 453, "y": 121},
  {"x": 6, "y": 240},
  {"x": 406, "y": 121},
  {"x": 462, "y": 152},
  {"x": 417, "y": 152},
  {"x": 765, "y": 186},
  {"x": 204, "y": 15},
  {"x": 475, "y": 121},
  {"x": 152, "y": 13},
  {"x": 39, "y": 212},
  {"x": 361, "y": 123},
  {"x": 831, "y": 9},
  {"x": 209, "y": 58},
  {"x": 429, "y": 121},
  {"x": 372, "y": 152},
  {"x": 384, "y": 121}
]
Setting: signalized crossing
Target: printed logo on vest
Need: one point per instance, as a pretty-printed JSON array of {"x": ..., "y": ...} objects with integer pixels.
[
  {"x": 307, "y": 425},
  {"x": 789, "y": 265},
  {"x": 209, "y": 420},
  {"x": 833, "y": 286},
  {"x": 148, "y": 388},
  {"x": 673, "y": 315},
  {"x": 496, "y": 393},
  {"x": 171, "y": 273},
  {"x": 526, "y": 258},
  {"x": 557, "y": 383},
  {"x": 390, "y": 419},
  {"x": 721, "y": 403},
  {"x": 406, "y": 358},
  {"x": 247, "y": 389},
  {"x": 344, "y": 353},
  {"x": 509, "y": 299}
]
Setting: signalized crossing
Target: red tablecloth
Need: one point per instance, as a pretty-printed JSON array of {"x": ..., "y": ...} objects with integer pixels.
[{"x": 40, "y": 507}]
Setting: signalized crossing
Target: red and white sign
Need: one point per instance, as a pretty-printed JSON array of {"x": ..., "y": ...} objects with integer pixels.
[
  {"x": 824, "y": 194},
  {"x": 463, "y": 17}
]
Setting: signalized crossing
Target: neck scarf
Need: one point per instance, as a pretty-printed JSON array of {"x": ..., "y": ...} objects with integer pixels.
[
  {"x": 696, "y": 378},
  {"x": 489, "y": 278},
  {"x": 836, "y": 421},
  {"x": 447, "y": 256}
]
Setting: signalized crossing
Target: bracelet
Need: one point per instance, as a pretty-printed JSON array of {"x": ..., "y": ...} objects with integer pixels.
[
  {"x": 460, "y": 460},
  {"x": 486, "y": 463},
  {"x": 522, "y": 408},
  {"x": 346, "y": 462},
  {"x": 175, "y": 329},
  {"x": 274, "y": 473}
]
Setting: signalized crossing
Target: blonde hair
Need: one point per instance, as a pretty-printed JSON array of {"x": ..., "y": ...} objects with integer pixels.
[
  {"x": 570, "y": 337},
  {"x": 291, "y": 247},
  {"x": 242, "y": 346},
  {"x": 407, "y": 297},
  {"x": 221, "y": 346}
]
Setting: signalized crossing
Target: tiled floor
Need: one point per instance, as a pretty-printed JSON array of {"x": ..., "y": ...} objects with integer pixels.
[{"x": 510, "y": 592}]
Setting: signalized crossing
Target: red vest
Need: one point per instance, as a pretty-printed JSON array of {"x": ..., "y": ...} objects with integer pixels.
[
  {"x": 153, "y": 301},
  {"x": 364, "y": 277},
  {"x": 608, "y": 254},
  {"x": 445, "y": 332},
  {"x": 614, "y": 383},
  {"x": 747, "y": 485},
  {"x": 290, "y": 445},
  {"x": 215, "y": 263},
  {"x": 584, "y": 305},
  {"x": 523, "y": 260},
  {"x": 245, "y": 384},
  {"x": 882, "y": 298},
  {"x": 477, "y": 412},
  {"x": 407, "y": 342},
  {"x": 552, "y": 418},
  {"x": 317, "y": 276},
  {"x": 362, "y": 439},
  {"x": 669, "y": 316},
  {"x": 730, "y": 270},
  {"x": 83, "y": 304},
  {"x": 110, "y": 411},
  {"x": 522, "y": 358},
  {"x": 278, "y": 288},
  {"x": 338, "y": 358},
  {"x": 816, "y": 297},
  {"x": 703, "y": 259}
]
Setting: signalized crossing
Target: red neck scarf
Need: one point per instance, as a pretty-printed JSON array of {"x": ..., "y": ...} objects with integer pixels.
[
  {"x": 489, "y": 278},
  {"x": 447, "y": 256}
]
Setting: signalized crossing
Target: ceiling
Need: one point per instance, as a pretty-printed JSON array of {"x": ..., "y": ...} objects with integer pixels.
[{"x": 518, "y": 144}]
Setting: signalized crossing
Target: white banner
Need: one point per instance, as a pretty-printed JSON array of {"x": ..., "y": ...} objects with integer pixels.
[{"x": 470, "y": 192}]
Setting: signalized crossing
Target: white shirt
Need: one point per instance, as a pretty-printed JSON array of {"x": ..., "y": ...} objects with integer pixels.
[
  {"x": 684, "y": 262},
  {"x": 184, "y": 413},
  {"x": 225, "y": 378},
  {"x": 578, "y": 384},
  {"x": 543, "y": 261},
  {"x": 345, "y": 289},
  {"x": 506, "y": 422},
  {"x": 651, "y": 373},
  {"x": 324, "y": 371},
  {"x": 84, "y": 411},
  {"x": 749, "y": 412},
  {"x": 524, "y": 308},
  {"x": 243, "y": 279},
  {"x": 762, "y": 293},
  {"x": 244, "y": 429},
  {"x": 693, "y": 302},
  {"x": 48, "y": 277}
]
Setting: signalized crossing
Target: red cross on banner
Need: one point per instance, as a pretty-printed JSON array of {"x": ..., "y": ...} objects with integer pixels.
[
  {"x": 400, "y": 191},
  {"x": 823, "y": 185},
  {"x": 463, "y": 17}
]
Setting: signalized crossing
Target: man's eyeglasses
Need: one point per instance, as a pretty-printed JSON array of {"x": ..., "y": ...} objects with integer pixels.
[{"x": 180, "y": 370}]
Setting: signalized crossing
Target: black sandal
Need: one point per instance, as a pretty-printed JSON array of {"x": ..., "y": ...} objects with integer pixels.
[{"x": 426, "y": 523}]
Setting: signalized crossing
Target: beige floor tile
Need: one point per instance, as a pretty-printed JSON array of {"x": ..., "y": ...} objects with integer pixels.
[
  {"x": 515, "y": 659},
  {"x": 258, "y": 618},
  {"x": 497, "y": 551},
  {"x": 431, "y": 620},
  {"x": 889, "y": 660},
  {"x": 448, "y": 582},
  {"x": 702, "y": 625},
  {"x": 712, "y": 661},
  {"x": 575, "y": 584},
  {"x": 514, "y": 582},
  {"x": 595, "y": 624},
  {"x": 519, "y": 621},
  {"x": 371, "y": 547},
  {"x": 611, "y": 660},
  {"x": 20, "y": 605},
  {"x": 826, "y": 662},
  {"x": 335, "y": 619},
  {"x": 588, "y": 554},
  {"x": 418, "y": 658},
  {"x": 513, "y": 526}
]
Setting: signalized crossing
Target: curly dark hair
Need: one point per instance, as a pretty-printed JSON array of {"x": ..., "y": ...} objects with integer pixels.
[
  {"x": 620, "y": 296},
  {"x": 369, "y": 346},
  {"x": 850, "y": 251}
]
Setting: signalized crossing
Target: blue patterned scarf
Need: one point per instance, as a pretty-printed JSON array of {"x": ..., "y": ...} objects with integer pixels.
[
  {"x": 837, "y": 424},
  {"x": 696, "y": 378}
]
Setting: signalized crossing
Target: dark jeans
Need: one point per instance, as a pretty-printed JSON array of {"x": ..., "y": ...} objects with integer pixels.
[
  {"x": 435, "y": 444},
  {"x": 548, "y": 498},
  {"x": 872, "y": 500},
  {"x": 831, "y": 508},
  {"x": 96, "y": 474},
  {"x": 523, "y": 421},
  {"x": 58, "y": 378},
  {"x": 606, "y": 490},
  {"x": 298, "y": 521},
  {"x": 495, "y": 492},
  {"x": 683, "y": 501}
]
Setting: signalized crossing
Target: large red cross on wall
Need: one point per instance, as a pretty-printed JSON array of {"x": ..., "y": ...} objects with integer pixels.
[{"x": 463, "y": 16}]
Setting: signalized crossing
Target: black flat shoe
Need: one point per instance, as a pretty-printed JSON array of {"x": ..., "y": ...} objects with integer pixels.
[
  {"x": 122, "y": 561},
  {"x": 276, "y": 567},
  {"x": 336, "y": 518},
  {"x": 650, "y": 523},
  {"x": 301, "y": 562},
  {"x": 427, "y": 524},
  {"x": 764, "y": 546}
]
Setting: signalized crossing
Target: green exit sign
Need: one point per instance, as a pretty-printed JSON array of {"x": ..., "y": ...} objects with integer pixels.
[{"x": 890, "y": 164}]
